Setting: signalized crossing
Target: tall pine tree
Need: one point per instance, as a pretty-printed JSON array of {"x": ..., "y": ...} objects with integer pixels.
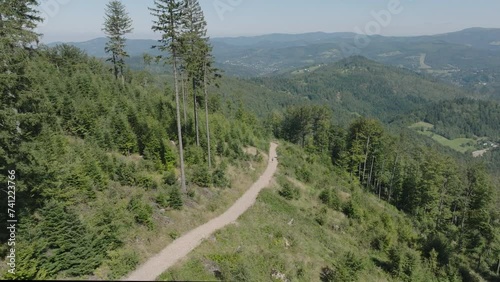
[
  {"x": 117, "y": 23},
  {"x": 194, "y": 42},
  {"x": 168, "y": 22}
]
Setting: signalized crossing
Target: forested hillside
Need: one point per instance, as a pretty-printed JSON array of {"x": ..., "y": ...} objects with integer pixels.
[
  {"x": 463, "y": 118},
  {"x": 358, "y": 204},
  {"x": 362, "y": 87},
  {"x": 105, "y": 165},
  {"x": 96, "y": 158}
]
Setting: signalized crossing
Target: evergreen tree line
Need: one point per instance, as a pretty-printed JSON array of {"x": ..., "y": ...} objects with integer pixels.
[{"x": 453, "y": 204}]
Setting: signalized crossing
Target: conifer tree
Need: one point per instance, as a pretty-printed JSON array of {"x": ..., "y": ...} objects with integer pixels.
[
  {"x": 168, "y": 22},
  {"x": 209, "y": 75},
  {"x": 194, "y": 42},
  {"x": 117, "y": 23},
  {"x": 18, "y": 19}
]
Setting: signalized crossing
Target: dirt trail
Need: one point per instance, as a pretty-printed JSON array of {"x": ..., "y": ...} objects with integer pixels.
[{"x": 189, "y": 241}]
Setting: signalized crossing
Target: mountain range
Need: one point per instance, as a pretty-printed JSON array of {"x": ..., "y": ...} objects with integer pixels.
[{"x": 469, "y": 58}]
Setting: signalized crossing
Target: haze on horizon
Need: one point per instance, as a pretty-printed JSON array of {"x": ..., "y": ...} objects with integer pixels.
[{"x": 79, "y": 20}]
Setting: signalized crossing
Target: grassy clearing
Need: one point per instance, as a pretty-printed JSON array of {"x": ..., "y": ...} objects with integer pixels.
[
  {"x": 306, "y": 70},
  {"x": 461, "y": 145},
  {"x": 422, "y": 126},
  {"x": 295, "y": 239}
]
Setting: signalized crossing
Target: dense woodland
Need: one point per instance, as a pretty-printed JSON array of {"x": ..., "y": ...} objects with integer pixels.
[
  {"x": 463, "y": 118},
  {"x": 98, "y": 149}
]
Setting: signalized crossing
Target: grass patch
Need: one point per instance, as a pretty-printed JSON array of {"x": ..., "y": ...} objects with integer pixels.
[
  {"x": 461, "y": 145},
  {"x": 422, "y": 126}
]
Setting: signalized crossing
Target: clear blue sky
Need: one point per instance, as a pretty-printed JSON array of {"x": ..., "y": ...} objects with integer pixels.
[{"x": 80, "y": 20}]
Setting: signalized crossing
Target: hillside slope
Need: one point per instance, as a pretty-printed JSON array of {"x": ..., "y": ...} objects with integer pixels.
[
  {"x": 97, "y": 179},
  {"x": 363, "y": 87}
]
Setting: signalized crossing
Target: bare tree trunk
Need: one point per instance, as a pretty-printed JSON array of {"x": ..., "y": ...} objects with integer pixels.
[
  {"x": 366, "y": 159},
  {"x": 196, "y": 125},
  {"x": 392, "y": 178},
  {"x": 498, "y": 267},
  {"x": 183, "y": 87},
  {"x": 441, "y": 202},
  {"x": 206, "y": 116},
  {"x": 115, "y": 67},
  {"x": 179, "y": 127},
  {"x": 379, "y": 181},
  {"x": 371, "y": 172},
  {"x": 122, "y": 76}
]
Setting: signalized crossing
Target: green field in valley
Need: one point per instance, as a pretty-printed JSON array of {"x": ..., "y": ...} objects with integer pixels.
[{"x": 460, "y": 144}]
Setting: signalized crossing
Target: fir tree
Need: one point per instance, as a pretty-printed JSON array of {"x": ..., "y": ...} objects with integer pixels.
[
  {"x": 168, "y": 14},
  {"x": 117, "y": 23}
]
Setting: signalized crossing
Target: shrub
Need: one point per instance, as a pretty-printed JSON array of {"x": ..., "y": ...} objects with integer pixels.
[
  {"x": 330, "y": 198},
  {"x": 162, "y": 199},
  {"x": 146, "y": 181},
  {"x": 175, "y": 199},
  {"x": 404, "y": 263},
  {"x": 173, "y": 234},
  {"x": 202, "y": 176},
  {"x": 142, "y": 211},
  {"x": 327, "y": 274},
  {"x": 219, "y": 178},
  {"x": 346, "y": 270},
  {"x": 194, "y": 155},
  {"x": 125, "y": 173},
  {"x": 170, "y": 178},
  {"x": 304, "y": 174},
  {"x": 121, "y": 262},
  {"x": 321, "y": 216},
  {"x": 289, "y": 192},
  {"x": 352, "y": 210}
]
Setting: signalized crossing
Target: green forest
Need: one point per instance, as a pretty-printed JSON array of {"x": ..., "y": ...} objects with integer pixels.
[{"x": 113, "y": 164}]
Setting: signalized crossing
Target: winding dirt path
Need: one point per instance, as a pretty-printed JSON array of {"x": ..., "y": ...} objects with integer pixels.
[{"x": 189, "y": 241}]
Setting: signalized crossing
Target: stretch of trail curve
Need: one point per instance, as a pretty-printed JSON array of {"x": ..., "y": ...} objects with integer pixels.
[{"x": 182, "y": 246}]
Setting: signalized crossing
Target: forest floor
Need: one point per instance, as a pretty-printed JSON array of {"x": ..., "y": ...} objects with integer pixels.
[{"x": 178, "y": 249}]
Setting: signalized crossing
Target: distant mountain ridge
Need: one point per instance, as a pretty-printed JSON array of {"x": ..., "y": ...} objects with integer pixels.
[
  {"x": 485, "y": 38},
  {"x": 469, "y": 58}
]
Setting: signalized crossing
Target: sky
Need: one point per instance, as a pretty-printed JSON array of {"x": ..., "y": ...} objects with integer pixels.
[{"x": 82, "y": 20}]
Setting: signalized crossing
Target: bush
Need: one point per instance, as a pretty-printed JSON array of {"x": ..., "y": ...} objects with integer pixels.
[
  {"x": 330, "y": 198},
  {"x": 162, "y": 199},
  {"x": 175, "y": 199},
  {"x": 404, "y": 263},
  {"x": 142, "y": 211},
  {"x": 289, "y": 192},
  {"x": 194, "y": 155},
  {"x": 347, "y": 270},
  {"x": 122, "y": 262},
  {"x": 352, "y": 210},
  {"x": 304, "y": 174},
  {"x": 327, "y": 274},
  {"x": 202, "y": 176},
  {"x": 146, "y": 181},
  {"x": 125, "y": 173},
  {"x": 219, "y": 178},
  {"x": 170, "y": 178},
  {"x": 320, "y": 217}
]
